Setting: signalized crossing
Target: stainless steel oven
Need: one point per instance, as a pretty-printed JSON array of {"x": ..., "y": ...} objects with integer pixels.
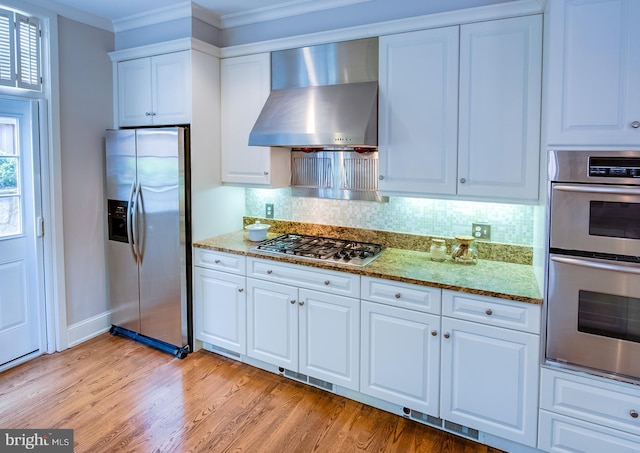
[{"x": 593, "y": 295}]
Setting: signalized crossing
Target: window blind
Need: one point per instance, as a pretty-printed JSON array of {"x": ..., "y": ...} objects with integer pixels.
[{"x": 20, "y": 48}]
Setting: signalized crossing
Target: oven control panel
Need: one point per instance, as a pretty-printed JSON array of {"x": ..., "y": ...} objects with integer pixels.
[{"x": 614, "y": 167}]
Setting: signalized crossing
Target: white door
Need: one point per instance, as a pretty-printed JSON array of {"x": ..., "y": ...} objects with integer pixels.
[{"x": 20, "y": 269}]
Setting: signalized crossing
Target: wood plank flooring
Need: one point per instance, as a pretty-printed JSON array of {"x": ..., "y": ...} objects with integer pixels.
[{"x": 121, "y": 396}]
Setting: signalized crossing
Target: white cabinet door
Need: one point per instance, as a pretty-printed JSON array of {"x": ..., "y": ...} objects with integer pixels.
[
  {"x": 171, "y": 88},
  {"x": 329, "y": 337},
  {"x": 401, "y": 356},
  {"x": 594, "y": 67},
  {"x": 134, "y": 93},
  {"x": 246, "y": 84},
  {"x": 155, "y": 91},
  {"x": 272, "y": 323},
  {"x": 499, "y": 117},
  {"x": 490, "y": 379},
  {"x": 418, "y": 112},
  {"x": 220, "y": 309}
]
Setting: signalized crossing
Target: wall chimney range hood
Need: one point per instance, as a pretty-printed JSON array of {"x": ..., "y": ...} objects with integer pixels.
[{"x": 322, "y": 97}]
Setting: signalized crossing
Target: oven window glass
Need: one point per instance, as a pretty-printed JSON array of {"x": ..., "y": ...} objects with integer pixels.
[
  {"x": 614, "y": 219},
  {"x": 609, "y": 316}
]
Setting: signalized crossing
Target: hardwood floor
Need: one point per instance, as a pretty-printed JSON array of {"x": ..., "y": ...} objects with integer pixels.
[{"x": 119, "y": 395}]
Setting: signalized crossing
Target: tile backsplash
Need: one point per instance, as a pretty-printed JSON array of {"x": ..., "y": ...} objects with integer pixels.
[{"x": 510, "y": 224}]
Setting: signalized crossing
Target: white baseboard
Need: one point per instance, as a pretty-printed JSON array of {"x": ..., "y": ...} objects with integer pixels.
[{"x": 89, "y": 328}]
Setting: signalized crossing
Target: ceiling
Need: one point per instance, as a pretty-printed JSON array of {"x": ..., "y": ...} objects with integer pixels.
[{"x": 106, "y": 13}]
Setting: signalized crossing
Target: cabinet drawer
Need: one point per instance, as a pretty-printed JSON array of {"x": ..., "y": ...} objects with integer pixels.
[
  {"x": 227, "y": 262},
  {"x": 404, "y": 295},
  {"x": 563, "y": 434},
  {"x": 596, "y": 400},
  {"x": 305, "y": 277},
  {"x": 490, "y": 310}
]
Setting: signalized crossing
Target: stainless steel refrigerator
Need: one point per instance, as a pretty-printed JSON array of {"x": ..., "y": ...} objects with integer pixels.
[{"x": 149, "y": 236}]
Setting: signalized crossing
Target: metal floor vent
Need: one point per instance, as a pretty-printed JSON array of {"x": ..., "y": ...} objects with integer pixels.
[
  {"x": 307, "y": 379},
  {"x": 222, "y": 351},
  {"x": 461, "y": 430},
  {"x": 425, "y": 418}
]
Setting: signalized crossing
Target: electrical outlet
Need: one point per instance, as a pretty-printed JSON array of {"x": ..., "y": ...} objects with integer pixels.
[
  {"x": 268, "y": 210},
  {"x": 481, "y": 231}
]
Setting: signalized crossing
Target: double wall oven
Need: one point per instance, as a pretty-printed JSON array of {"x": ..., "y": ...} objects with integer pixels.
[{"x": 593, "y": 300}]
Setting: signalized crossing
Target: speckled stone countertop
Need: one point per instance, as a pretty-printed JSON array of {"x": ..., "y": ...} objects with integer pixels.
[{"x": 500, "y": 279}]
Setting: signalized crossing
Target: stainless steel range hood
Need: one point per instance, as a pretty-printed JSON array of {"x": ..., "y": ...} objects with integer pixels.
[{"x": 323, "y": 96}]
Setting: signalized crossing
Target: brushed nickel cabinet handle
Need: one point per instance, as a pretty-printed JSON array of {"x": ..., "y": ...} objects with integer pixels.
[
  {"x": 269, "y": 272},
  {"x": 463, "y": 180},
  {"x": 240, "y": 290},
  {"x": 434, "y": 333},
  {"x": 397, "y": 296},
  {"x": 301, "y": 303},
  {"x": 635, "y": 124},
  {"x": 381, "y": 177},
  {"x": 217, "y": 261},
  {"x": 633, "y": 413},
  {"x": 447, "y": 335},
  {"x": 292, "y": 302},
  {"x": 489, "y": 312},
  {"x": 327, "y": 282}
]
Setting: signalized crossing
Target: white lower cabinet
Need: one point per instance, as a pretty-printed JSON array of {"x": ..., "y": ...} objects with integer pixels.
[
  {"x": 316, "y": 333},
  {"x": 489, "y": 376},
  {"x": 220, "y": 300},
  {"x": 589, "y": 414},
  {"x": 401, "y": 356}
]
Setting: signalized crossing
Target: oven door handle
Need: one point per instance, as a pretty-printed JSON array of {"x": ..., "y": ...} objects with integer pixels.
[
  {"x": 630, "y": 269},
  {"x": 595, "y": 189}
]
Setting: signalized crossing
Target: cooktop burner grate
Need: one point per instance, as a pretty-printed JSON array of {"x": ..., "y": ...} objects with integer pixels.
[{"x": 321, "y": 248}]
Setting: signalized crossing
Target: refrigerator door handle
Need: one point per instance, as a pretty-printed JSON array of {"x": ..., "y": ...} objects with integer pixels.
[
  {"x": 136, "y": 234},
  {"x": 130, "y": 226},
  {"x": 139, "y": 212}
]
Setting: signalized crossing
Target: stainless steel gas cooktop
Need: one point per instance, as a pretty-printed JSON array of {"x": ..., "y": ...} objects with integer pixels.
[{"x": 321, "y": 248}]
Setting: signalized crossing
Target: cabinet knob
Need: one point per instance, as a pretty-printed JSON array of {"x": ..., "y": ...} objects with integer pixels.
[
  {"x": 217, "y": 261},
  {"x": 380, "y": 177},
  {"x": 301, "y": 303},
  {"x": 635, "y": 124},
  {"x": 397, "y": 296},
  {"x": 292, "y": 302},
  {"x": 633, "y": 413},
  {"x": 434, "y": 333},
  {"x": 266, "y": 173},
  {"x": 147, "y": 113},
  {"x": 327, "y": 282},
  {"x": 447, "y": 335},
  {"x": 489, "y": 312},
  {"x": 269, "y": 272},
  {"x": 463, "y": 180},
  {"x": 240, "y": 290}
]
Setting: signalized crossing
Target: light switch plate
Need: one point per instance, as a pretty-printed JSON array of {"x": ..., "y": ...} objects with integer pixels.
[{"x": 481, "y": 231}]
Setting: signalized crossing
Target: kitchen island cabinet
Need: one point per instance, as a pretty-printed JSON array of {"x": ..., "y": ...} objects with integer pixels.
[
  {"x": 490, "y": 372},
  {"x": 245, "y": 86},
  {"x": 462, "y": 118},
  {"x": 293, "y": 325},
  {"x": 593, "y": 90}
]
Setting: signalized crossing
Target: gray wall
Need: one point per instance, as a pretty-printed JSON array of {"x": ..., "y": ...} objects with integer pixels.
[{"x": 86, "y": 110}]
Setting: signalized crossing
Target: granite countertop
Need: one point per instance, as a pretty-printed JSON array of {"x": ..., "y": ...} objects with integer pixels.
[{"x": 489, "y": 278}]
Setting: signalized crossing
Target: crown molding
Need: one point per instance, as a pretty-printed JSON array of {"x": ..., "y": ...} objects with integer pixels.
[
  {"x": 160, "y": 15},
  {"x": 458, "y": 17},
  {"x": 289, "y": 9}
]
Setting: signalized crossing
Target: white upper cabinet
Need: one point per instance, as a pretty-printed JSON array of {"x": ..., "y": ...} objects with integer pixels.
[
  {"x": 499, "y": 117},
  {"x": 593, "y": 95},
  {"x": 246, "y": 84},
  {"x": 154, "y": 91},
  {"x": 418, "y": 112},
  {"x": 460, "y": 111}
]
